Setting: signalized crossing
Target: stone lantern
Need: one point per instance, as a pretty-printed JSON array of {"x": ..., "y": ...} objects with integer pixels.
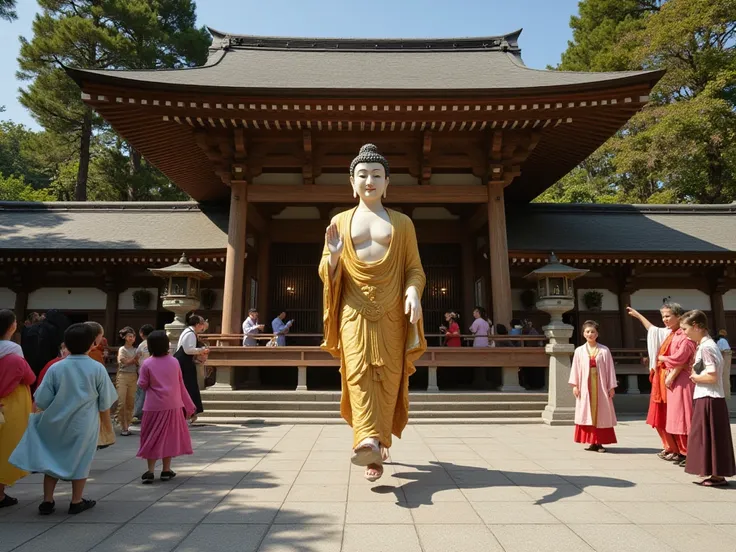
[
  {"x": 181, "y": 294},
  {"x": 556, "y": 296},
  {"x": 555, "y": 293}
]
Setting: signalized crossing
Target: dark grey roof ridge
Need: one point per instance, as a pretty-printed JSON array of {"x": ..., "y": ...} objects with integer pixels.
[
  {"x": 504, "y": 42},
  {"x": 624, "y": 208}
]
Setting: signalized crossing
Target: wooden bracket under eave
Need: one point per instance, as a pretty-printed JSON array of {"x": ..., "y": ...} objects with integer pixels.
[
  {"x": 426, "y": 164},
  {"x": 308, "y": 164}
]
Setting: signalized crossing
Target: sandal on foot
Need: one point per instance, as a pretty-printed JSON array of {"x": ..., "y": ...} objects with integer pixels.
[
  {"x": 593, "y": 448},
  {"x": 661, "y": 454},
  {"x": 601, "y": 449},
  {"x": 372, "y": 477},
  {"x": 168, "y": 475},
  {"x": 366, "y": 453},
  {"x": 384, "y": 453},
  {"x": 670, "y": 457},
  {"x": 147, "y": 478},
  {"x": 714, "y": 483},
  {"x": 683, "y": 462},
  {"x": 47, "y": 508},
  {"x": 8, "y": 501},
  {"x": 125, "y": 433},
  {"x": 80, "y": 507}
]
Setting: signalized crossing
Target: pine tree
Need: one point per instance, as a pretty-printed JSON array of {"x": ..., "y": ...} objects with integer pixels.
[
  {"x": 7, "y": 10},
  {"x": 100, "y": 34}
]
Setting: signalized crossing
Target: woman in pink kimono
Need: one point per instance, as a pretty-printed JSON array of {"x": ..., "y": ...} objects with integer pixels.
[{"x": 593, "y": 380}]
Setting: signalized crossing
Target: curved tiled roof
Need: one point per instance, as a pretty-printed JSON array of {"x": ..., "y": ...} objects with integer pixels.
[{"x": 254, "y": 63}]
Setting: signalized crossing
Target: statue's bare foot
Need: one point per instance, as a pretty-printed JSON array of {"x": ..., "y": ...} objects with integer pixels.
[
  {"x": 373, "y": 472},
  {"x": 366, "y": 453}
]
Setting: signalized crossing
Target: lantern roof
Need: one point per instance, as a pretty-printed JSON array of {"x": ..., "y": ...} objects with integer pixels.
[
  {"x": 555, "y": 268},
  {"x": 182, "y": 268}
]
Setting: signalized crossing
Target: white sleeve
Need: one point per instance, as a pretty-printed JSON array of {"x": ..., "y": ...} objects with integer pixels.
[
  {"x": 655, "y": 338},
  {"x": 189, "y": 344}
]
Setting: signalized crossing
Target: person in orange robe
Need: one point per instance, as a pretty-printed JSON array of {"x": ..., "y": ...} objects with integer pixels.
[{"x": 670, "y": 402}]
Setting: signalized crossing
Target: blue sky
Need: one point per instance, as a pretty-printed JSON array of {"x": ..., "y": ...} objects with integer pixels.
[{"x": 545, "y": 23}]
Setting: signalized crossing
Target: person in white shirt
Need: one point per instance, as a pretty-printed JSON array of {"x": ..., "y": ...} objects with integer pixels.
[
  {"x": 186, "y": 350},
  {"x": 251, "y": 327},
  {"x": 710, "y": 453}
]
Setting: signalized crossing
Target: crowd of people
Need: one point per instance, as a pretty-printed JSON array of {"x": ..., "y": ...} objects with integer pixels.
[
  {"x": 484, "y": 332},
  {"x": 55, "y": 415},
  {"x": 687, "y": 405}
]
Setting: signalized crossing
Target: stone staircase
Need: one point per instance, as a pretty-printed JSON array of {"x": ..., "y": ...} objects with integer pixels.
[{"x": 323, "y": 407}]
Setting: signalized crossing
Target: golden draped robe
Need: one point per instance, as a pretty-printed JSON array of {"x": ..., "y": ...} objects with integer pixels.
[{"x": 366, "y": 328}]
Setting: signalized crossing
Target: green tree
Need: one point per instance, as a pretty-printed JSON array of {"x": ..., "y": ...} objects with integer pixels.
[
  {"x": 682, "y": 147},
  {"x": 13, "y": 188},
  {"x": 7, "y": 10},
  {"x": 100, "y": 34}
]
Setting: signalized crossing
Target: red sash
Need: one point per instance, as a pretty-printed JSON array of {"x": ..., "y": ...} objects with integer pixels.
[{"x": 657, "y": 378}]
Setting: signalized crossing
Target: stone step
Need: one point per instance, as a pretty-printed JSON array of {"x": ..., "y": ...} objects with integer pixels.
[
  {"x": 299, "y": 420},
  {"x": 416, "y": 406},
  {"x": 322, "y": 396},
  {"x": 450, "y": 414}
]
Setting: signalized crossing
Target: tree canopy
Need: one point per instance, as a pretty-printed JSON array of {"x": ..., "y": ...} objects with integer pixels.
[
  {"x": 102, "y": 34},
  {"x": 682, "y": 147}
]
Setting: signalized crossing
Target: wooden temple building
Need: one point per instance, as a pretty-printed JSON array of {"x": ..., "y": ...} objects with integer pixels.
[{"x": 261, "y": 138}]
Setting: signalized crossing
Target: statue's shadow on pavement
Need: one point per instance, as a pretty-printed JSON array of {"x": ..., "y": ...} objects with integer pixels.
[{"x": 422, "y": 481}]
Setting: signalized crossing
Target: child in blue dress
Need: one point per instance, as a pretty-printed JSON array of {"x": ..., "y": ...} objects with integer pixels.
[{"x": 61, "y": 440}]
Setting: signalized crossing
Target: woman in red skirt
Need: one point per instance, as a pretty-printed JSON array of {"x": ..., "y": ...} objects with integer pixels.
[
  {"x": 593, "y": 380},
  {"x": 711, "y": 446}
]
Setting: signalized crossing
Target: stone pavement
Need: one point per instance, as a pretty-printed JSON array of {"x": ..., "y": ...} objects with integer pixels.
[{"x": 460, "y": 488}]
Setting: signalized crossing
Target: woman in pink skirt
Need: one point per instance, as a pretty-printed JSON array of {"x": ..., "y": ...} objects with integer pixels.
[{"x": 164, "y": 431}]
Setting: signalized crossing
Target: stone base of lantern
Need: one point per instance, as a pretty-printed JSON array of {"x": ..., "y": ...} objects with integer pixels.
[{"x": 560, "y": 409}]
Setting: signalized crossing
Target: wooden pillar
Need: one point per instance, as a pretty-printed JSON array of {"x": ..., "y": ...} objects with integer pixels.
[
  {"x": 21, "y": 304},
  {"x": 111, "y": 314},
  {"x": 719, "y": 313},
  {"x": 627, "y": 322},
  {"x": 499, "y": 256},
  {"x": 232, "y": 297},
  {"x": 500, "y": 277},
  {"x": 264, "y": 261}
]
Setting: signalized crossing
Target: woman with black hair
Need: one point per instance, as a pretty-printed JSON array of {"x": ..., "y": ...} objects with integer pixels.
[
  {"x": 164, "y": 432},
  {"x": 186, "y": 350}
]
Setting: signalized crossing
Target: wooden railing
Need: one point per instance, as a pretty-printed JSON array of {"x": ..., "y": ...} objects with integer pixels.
[{"x": 227, "y": 356}]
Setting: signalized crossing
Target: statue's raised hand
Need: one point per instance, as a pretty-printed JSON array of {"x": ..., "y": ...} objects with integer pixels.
[{"x": 334, "y": 240}]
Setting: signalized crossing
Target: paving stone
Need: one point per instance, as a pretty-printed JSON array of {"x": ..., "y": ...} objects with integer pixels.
[
  {"x": 303, "y": 538},
  {"x": 549, "y": 538},
  {"x": 610, "y": 538},
  {"x": 359, "y": 538},
  {"x": 69, "y": 537},
  {"x": 20, "y": 533},
  {"x": 377, "y": 513},
  {"x": 223, "y": 538},
  {"x": 229, "y": 511},
  {"x": 156, "y": 539},
  {"x": 457, "y": 538},
  {"x": 311, "y": 513}
]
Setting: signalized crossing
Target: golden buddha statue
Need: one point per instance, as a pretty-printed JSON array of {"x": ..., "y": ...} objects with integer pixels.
[{"x": 373, "y": 282}]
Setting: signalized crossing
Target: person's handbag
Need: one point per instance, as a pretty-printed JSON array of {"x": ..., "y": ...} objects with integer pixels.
[{"x": 698, "y": 367}]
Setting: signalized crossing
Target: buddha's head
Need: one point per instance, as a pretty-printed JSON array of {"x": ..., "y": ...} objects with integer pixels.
[{"x": 369, "y": 174}]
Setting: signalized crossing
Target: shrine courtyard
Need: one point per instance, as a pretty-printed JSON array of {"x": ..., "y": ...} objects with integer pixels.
[{"x": 460, "y": 488}]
